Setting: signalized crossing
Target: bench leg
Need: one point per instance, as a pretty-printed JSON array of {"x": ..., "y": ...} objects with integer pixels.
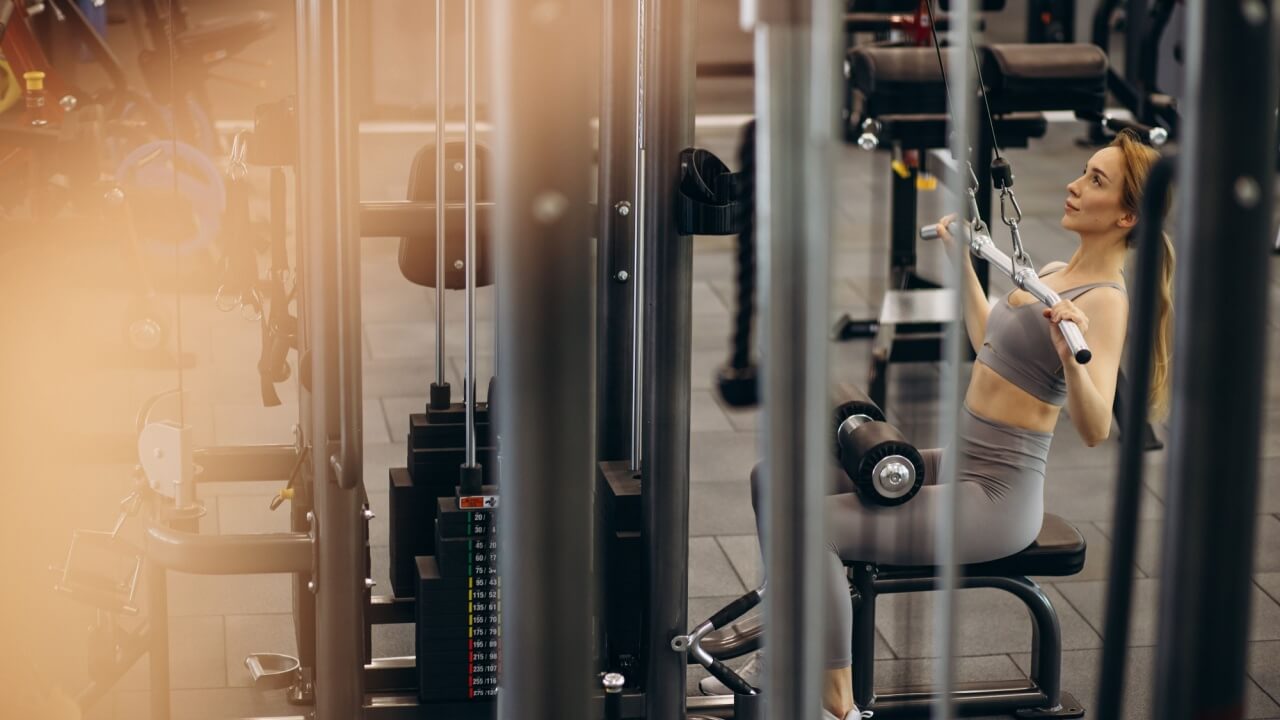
[
  {"x": 863, "y": 597},
  {"x": 1046, "y": 651}
]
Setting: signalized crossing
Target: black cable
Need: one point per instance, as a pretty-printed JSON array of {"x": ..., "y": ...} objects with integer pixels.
[{"x": 937, "y": 46}]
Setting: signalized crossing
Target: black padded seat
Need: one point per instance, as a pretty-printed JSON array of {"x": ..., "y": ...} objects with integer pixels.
[
  {"x": 898, "y": 80},
  {"x": 1045, "y": 76},
  {"x": 1059, "y": 551}
]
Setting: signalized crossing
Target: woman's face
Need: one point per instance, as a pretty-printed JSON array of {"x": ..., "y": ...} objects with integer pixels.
[{"x": 1094, "y": 200}]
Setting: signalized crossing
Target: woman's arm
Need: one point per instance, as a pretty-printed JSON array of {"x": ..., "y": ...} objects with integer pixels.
[
  {"x": 1091, "y": 388},
  {"x": 976, "y": 306}
]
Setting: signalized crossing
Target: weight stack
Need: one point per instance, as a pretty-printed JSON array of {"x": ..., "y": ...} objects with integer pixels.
[
  {"x": 436, "y": 452},
  {"x": 459, "y": 603}
]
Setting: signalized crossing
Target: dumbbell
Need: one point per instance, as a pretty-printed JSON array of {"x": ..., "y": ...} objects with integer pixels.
[{"x": 884, "y": 467}]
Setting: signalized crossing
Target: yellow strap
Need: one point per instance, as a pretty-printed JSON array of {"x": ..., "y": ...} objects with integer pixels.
[
  {"x": 12, "y": 88},
  {"x": 901, "y": 168}
]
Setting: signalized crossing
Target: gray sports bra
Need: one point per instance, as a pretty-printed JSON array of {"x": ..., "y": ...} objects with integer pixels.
[{"x": 1018, "y": 347}]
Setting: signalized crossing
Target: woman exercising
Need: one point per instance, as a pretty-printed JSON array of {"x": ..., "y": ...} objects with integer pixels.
[{"x": 1023, "y": 377}]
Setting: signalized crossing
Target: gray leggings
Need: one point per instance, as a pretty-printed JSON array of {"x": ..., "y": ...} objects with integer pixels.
[{"x": 999, "y": 509}]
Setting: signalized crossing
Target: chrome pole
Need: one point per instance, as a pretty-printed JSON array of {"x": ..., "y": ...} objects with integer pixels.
[
  {"x": 469, "y": 382},
  {"x": 441, "y": 119},
  {"x": 637, "y": 263}
]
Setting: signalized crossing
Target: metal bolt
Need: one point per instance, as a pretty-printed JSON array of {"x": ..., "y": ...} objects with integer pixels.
[
  {"x": 623, "y": 208},
  {"x": 68, "y": 103},
  {"x": 894, "y": 476},
  {"x": 311, "y": 585},
  {"x": 368, "y": 514},
  {"x": 114, "y": 196},
  {"x": 1158, "y": 136},
  {"x": 158, "y": 453},
  {"x": 457, "y": 167},
  {"x": 622, "y": 276},
  {"x": 613, "y": 682},
  {"x": 1247, "y": 191},
  {"x": 370, "y": 583},
  {"x": 311, "y": 517},
  {"x": 458, "y": 265}
]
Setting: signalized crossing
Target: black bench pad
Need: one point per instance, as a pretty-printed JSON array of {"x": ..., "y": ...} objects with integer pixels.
[
  {"x": 1045, "y": 76},
  {"x": 1059, "y": 551},
  {"x": 1018, "y": 78}
]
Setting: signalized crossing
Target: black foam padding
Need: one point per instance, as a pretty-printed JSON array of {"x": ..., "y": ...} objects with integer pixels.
[
  {"x": 898, "y": 80},
  {"x": 1045, "y": 76},
  {"x": 418, "y": 252}
]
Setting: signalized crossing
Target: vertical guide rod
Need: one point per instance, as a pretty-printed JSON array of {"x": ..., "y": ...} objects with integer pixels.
[
  {"x": 542, "y": 230},
  {"x": 469, "y": 383},
  {"x": 1219, "y": 359},
  {"x": 963, "y": 129},
  {"x": 441, "y": 118},
  {"x": 638, "y": 210}
]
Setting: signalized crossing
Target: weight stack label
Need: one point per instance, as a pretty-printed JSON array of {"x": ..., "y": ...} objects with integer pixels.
[{"x": 459, "y": 618}]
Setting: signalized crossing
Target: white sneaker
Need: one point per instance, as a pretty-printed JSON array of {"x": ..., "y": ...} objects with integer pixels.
[{"x": 749, "y": 672}]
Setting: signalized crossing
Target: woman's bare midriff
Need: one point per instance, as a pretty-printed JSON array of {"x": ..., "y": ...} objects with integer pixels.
[{"x": 992, "y": 397}]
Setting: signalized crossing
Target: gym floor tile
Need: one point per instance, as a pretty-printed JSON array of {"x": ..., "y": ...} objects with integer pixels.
[
  {"x": 382, "y": 301},
  {"x": 710, "y": 332},
  {"x": 228, "y": 595},
  {"x": 744, "y": 420},
  {"x": 385, "y": 378},
  {"x": 393, "y": 641},
  {"x": 198, "y": 595},
  {"x": 1264, "y": 666},
  {"x": 1150, "y": 542},
  {"x": 722, "y": 456},
  {"x": 1089, "y": 599},
  {"x": 391, "y": 340},
  {"x": 254, "y": 424},
  {"x": 988, "y": 622},
  {"x": 704, "y": 366},
  {"x": 484, "y": 366},
  {"x": 901, "y": 673},
  {"x": 374, "y": 424},
  {"x": 380, "y": 457},
  {"x": 707, "y": 302},
  {"x": 710, "y": 573},
  {"x": 744, "y": 553},
  {"x": 398, "y": 410},
  {"x": 379, "y": 526},
  {"x": 1087, "y": 493},
  {"x": 1080, "y": 678},
  {"x": 705, "y": 414},
  {"x": 720, "y": 508},
  {"x": 250, "y": 514},
  {"x": 214, "y": 704},
  {"x": 196, "y": 650},
  {"x": 247, "y": 634},
  {"x": 380, "y": 568},
  {"x": 241, "y": 385}
]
